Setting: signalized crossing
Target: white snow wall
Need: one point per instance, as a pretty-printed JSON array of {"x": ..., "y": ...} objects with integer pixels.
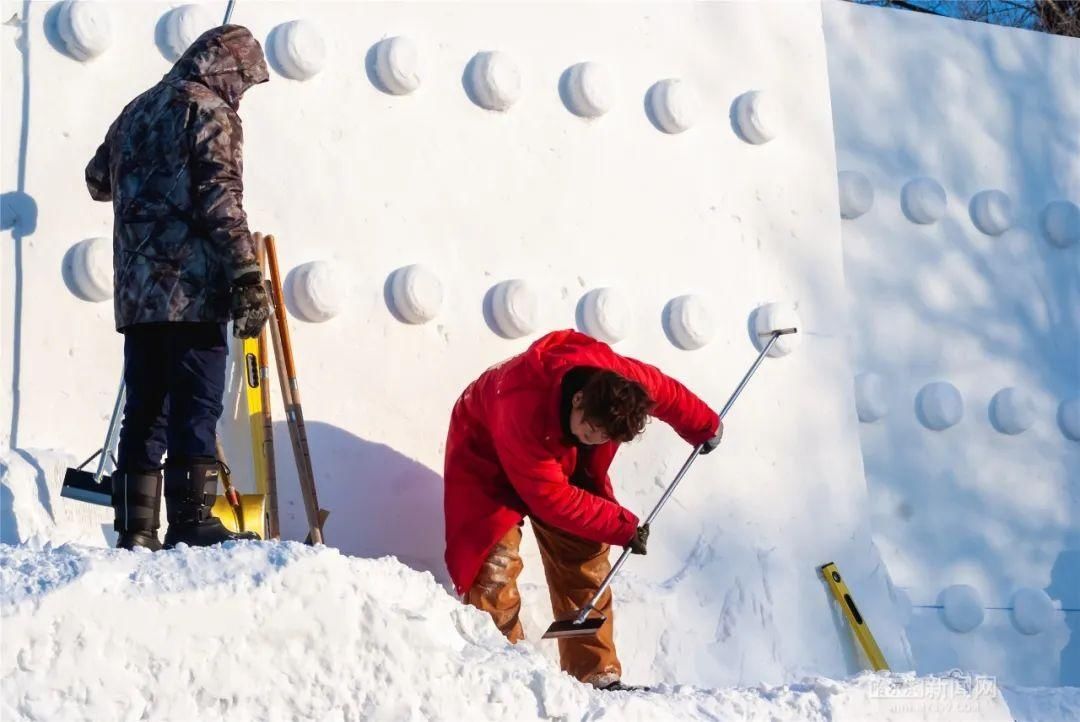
[
  {"x": 973, "y": 107},
  {"x": 371, "y": 182}
]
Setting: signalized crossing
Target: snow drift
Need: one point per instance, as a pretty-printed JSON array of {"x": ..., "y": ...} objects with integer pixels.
[{"x": 281, "y": 631}]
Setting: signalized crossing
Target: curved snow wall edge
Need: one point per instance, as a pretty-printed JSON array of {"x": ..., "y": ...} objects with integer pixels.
[{"x": 966, "y": 327}]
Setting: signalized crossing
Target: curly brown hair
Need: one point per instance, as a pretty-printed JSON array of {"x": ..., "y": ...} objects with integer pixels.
[{"x": 616, "y": 404}]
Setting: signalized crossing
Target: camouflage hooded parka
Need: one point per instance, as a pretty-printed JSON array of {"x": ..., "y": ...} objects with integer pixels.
[{"x": 172, "y": 166}]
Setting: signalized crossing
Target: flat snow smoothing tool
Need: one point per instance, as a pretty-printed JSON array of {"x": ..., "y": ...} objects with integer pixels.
[
  {"x": 96, "y": 488},
  {"x": 582, "y": 625}
]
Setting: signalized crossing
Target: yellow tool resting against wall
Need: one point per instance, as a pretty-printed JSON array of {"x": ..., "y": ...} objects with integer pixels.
[
  {"x": 851, "y": 612},
  {"x": 248, "y": 512}
]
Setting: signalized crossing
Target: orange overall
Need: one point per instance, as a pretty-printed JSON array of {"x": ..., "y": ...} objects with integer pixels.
[{"x": 574, "y": 568}]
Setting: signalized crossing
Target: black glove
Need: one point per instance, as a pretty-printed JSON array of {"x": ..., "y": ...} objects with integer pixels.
[
  {"x": 639, "y": 540},
  {"x": 250, "y": 306},
  {"x": 714, "y": 441}
]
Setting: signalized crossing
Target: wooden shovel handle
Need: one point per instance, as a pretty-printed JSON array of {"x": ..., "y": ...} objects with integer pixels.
[
  {"x": 289, "y": 396},
  {"x": 279, "y": 305}
]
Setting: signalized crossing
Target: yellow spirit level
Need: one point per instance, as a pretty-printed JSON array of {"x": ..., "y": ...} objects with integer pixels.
[{"x": 858, "y": 625}]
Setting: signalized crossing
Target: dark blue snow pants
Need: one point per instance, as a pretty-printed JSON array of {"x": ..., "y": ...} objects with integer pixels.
[{"x": 175, "y": 378}]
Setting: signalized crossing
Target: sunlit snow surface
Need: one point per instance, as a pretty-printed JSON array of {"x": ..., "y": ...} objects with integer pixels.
[{"x": 282, "y": 631}]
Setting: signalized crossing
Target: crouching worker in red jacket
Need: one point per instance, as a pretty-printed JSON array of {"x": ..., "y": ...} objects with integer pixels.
[{"x": 534, "y": 436}]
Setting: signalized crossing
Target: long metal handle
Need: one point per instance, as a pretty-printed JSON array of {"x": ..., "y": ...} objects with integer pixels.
[
  {"x": 584, "y": 613},
  {"x": 228, "y": 12},
  {"x": 113, "y": 432}
]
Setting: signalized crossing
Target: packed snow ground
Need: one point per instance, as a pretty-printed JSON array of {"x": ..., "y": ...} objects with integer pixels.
[{"x": 281, "y": 631}]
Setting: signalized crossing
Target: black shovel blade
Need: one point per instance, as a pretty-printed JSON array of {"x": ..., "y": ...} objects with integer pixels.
[
  {"x": 80, "y": 486},
  {"x": 570, "y": 628}
]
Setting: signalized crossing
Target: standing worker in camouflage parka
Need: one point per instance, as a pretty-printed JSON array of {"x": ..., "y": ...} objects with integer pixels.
[{"x": 183, "y": 264}]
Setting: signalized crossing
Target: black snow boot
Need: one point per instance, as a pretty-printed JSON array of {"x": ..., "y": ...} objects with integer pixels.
[
  {"x": 136, "y": 501},
  {"x": 190, "y": 491}
]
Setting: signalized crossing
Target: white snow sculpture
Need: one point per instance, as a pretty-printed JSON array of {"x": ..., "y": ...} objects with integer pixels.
[
  {"x": 961, "y": 608},
  {"x": 85, "y": 28},
  {"x": 856, "y": 194},
  {"x": 1069, "y": 418},
  {"x": 1032, "y": 610},
  {"x": 606, "y": 315},
  {"x": 317, "y": 291},
  {"x": 590, "y": 90},
  {"x": 417, "y": 293},
  {"x": 494, "y": 80},
  {"x": 690, "y": 324},
  {"x": 515, "y": 308},
  {"x": 756, "y": 116},
  {"x": 91, "y": 269},
  {"x": 183, "y": 26},
  {"x": 674, "y": 105},
  {"x": 923, "y": 200},
  {"x": 902, "y": 602},
  {"x": 774, "y": 316},
  {"x": 299, "y": 49},
  {"x": 1012, "y": 410},
  {"x": 397, "y": 65},
  {"x": 1061, "y": 223},
  {"x": 991, "y": 212},
  {"x": 871, "y": 397},
  {"x": 940, "y": 405},
  {"x": 1015, "y": 243}
]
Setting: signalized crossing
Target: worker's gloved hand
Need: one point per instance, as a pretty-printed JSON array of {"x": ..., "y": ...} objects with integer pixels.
[
  {"x": 714, "y": 441},
  {"x": 639, "y": 540},
  {"x": 250, "y": 306}
]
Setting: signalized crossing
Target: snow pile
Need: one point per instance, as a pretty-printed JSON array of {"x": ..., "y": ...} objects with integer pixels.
[
  {"x": 1043, "y": 703},
  {"x": 282, "y": 631}
]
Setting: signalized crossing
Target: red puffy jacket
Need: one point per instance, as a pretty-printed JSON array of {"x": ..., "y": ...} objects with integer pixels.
[{"x": 506, "y": 456}]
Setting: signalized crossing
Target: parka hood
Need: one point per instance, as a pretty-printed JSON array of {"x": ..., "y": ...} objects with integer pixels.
[{"x": 226, "y": 59}]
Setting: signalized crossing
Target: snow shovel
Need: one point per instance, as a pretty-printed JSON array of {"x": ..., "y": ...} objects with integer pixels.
[
  {"x": 96, "y": 488},
  {"x": 290, "y": 395},
  {"x": 582, "y": 625}
]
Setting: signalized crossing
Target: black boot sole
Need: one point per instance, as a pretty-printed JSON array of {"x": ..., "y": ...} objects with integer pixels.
[
  {"x": 213, "y": 537},
  {"x": 133, "y": 541}
]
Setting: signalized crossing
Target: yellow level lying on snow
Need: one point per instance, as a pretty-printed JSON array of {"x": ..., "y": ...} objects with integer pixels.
[{"x": 858, "y": 625}]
